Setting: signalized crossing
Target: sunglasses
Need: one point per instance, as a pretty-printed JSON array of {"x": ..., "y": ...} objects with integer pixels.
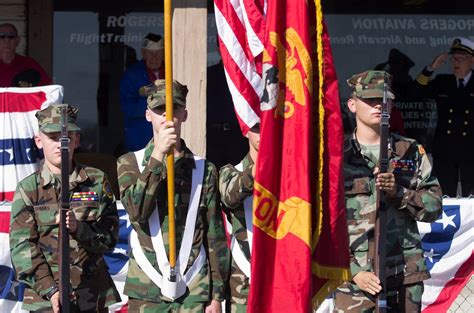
[{"x": 7, "y": 36}]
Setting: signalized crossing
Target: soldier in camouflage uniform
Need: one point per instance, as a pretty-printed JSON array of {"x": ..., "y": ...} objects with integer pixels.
[
  {"x": 92, "y": 224},
  {"x": 143, "y": 190},
  {"x": 236, "y": 188},
  {"x": 412, "y": 194}
]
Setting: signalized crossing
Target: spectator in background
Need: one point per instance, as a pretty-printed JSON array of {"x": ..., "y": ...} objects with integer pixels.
[
  {"x": 137, "y": 130},
  {"x": 18, "y": 70},
  {"x": 453, "y": 146}
]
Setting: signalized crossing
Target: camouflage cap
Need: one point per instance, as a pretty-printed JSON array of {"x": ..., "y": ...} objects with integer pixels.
[
  {"x": 156, "y": 94},
  {"x": 49, "y": 119},
  {"x": 369, "y": 84}
]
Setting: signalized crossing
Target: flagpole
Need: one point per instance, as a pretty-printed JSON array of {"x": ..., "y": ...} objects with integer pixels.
[{"x": 169, "y": 117}]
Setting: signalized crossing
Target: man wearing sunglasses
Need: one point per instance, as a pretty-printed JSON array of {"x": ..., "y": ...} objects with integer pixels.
[
  {"x": 18, "y": 70},
  {"x": 453, "y": 146}
]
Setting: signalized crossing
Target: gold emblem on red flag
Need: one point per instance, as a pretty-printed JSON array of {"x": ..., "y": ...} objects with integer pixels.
[
  {"x": 294, "y": 72},
  {"x": 277, "y": 218}
]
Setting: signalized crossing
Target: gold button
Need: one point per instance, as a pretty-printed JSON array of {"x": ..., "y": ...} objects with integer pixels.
[
  {"x": 450, "y": 110},
  {"x": 464, "y": 133},
  {"x": 467, "y": 111},
  {"x": 465, "y": 122},
  {"x": 449, "y": 132},
  {"x": 449, "y": 121}
]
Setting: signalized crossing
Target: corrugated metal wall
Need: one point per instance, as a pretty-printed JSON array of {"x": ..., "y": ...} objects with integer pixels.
[{"x": 14, "y": 12}]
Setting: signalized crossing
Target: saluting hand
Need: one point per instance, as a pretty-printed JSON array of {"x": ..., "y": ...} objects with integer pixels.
[
  {"x": 385, "y": 182},
  {"x": 164, "y": 139},
  {"x": 439, "y": 60},
  {"x": 368, "y": 282}
]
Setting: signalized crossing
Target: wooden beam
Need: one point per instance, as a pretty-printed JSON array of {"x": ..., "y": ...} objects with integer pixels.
[
  {"x": 190, "y": 66},
  {"x": 40, "y": 33}
]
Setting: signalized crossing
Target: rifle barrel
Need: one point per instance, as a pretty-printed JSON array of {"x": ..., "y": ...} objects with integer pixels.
[
  {"x": 381, "y": 219},
  {"x": 64, "y": 264}
]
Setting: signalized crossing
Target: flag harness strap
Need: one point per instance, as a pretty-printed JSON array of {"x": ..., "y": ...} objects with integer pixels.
[
  {"x": 237, "y": 254},
  {"x": 172, "y": 290}
]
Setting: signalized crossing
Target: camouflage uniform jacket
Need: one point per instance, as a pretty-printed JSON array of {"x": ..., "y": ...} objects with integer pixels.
[
  {"x": 418, "y": 198},
  {"x": 142, "y": 192},
  {"x": 34, "y": 237},
  {"x": 235, "y": 186}
]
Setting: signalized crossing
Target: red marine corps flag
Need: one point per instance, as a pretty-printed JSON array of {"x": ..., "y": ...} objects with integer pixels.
[{"x": 300, "y": 244}]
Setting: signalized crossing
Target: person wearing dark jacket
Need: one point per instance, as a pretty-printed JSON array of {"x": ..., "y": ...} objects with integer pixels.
[{"x": 453, "y": 146}]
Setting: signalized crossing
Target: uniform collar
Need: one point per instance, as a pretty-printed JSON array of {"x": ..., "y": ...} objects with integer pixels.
[
  {"x": 77, "y": 176},
  {"x": 467, "y": 78},
  {"x": 247, "y": 161},
  {"x": 355, "y": 145}
]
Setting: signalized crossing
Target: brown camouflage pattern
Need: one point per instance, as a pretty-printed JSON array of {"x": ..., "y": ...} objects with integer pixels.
[
  {"x": 140, "y": 306},
  {"x": 418, "y": 198},
  {"x": 49, "y": 119},
  {"x": 405, "y": 298},
  {"x": 370, "y": 84},
  {"x": 34, "y": 238},
  {"x": 139, "y": 194},
  {"x": 235, "y": 187},
  {"x": 157, "y": 93}
]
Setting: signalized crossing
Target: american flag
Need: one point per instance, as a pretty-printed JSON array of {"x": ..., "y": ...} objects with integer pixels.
[
  {"x": 240, "y": 26},
  {"x": 449, "y": 246}
]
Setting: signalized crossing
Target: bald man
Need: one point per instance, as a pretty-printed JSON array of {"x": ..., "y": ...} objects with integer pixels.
[{"x": 18, "y": 70}]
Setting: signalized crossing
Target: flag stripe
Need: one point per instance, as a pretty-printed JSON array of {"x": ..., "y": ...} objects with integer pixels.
[
  {"x": 230, "y": 13},
  {"x": 11, "y": 174},
  {"x": 241, "y": 65},
  {"x": 233, "y": 52},
  {"x": 20, "y": 102},
  {"x": 51, "y": 94},
  {"x": 449, "y": 292},
  {"x": 448, "y": 249},
  {"x": 244, "y": 112},
  {"x": 4, "y": 221},
  {"x": 245, "y": 84},
  {"x": 253, "y": 18},
  {"x": 6, "y": 195},
  {"x": 18, "y": 125}
]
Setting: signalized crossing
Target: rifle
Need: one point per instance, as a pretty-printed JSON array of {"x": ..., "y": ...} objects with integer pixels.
[
  {"x": 64, "y": 275},
  {"x": 381, "y": 218}
]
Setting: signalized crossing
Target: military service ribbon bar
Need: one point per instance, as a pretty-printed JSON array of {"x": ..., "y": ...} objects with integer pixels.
[{"x": 85, "y": 196}]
